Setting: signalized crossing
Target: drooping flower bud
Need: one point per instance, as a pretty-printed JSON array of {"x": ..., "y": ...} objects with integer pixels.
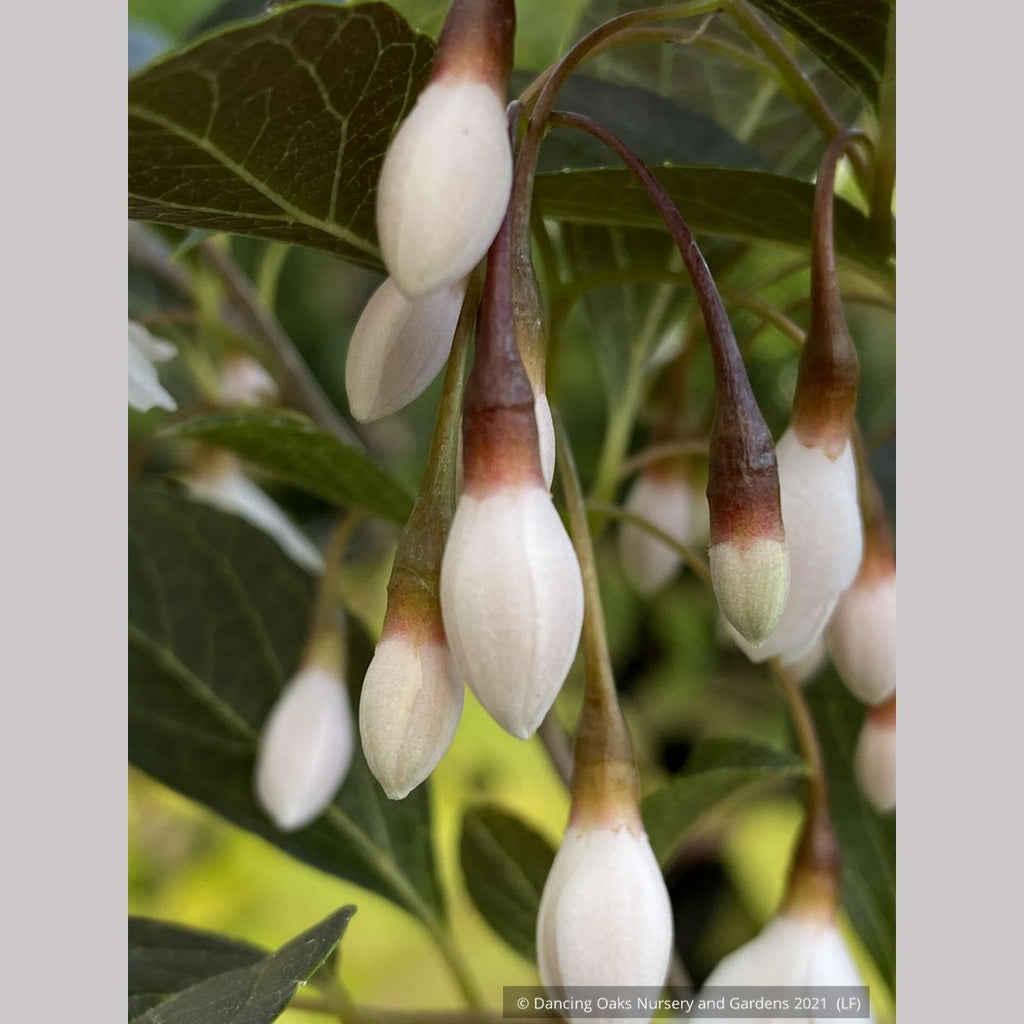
[
  {"x": 875, "y": 757},
  {"x": 801, "y": 946},
  {"x": 823, "y": 531},
  {"x": 749, "y": 556},
  {"x": 447, "y": 175},
  {"x": 796, "y": 951},
  {"x": 219, "y": 480},
  {"x": 398, "y": 347},
  {"x": 817, "y": 472},
  {"x": 511, "y": 592},
  {"x": 803, "y": 669},
  {"x": 862, "y": 631},
  {"x": 306, "y": 745},
  {"x": 664, "y": 497},
  {"x": 245, "y": 382},
  {"x": 605, "y": 916},
  {"x": 145, "y": 391},
  {"x": 411, "y": 700}
]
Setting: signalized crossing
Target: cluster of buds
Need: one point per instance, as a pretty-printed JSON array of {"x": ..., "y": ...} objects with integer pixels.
[
  {"x": 412, "y": 697},
  {"x": 862, "y": 643}
]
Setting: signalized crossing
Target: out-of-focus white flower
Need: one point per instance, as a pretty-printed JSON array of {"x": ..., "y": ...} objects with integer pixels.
[
  {"x": 512, "y": 601},
  {"x": 801, "y": 952},
  {"x": 803, "y": 669},
  {"x": 144, "y": 388},
  {"x": 667, "y": 501},
  {"x": 244, "y": 381},
  {"x": 409, "y": 709},
  {"x": 862, "y": 637},
  {"x": 305, "y": 748},
  {"x": 875, "y": 757},
  {"x": 825, "y": 541},
  {"x": 445, "y": 185},
  {"x": 605, "y": 917},
  {"x": 398, "y": 347},
  {"x": 220, "y": 482}
]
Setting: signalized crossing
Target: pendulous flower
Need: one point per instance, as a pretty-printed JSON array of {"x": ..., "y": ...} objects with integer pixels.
[
  {"x": 664, "y": 497},
  {"x": 411, "y": 700},
  {"x": 800, "y": 951},
  {"x": 306, "y": 747},
  {"x": 398, "y": 347},
  {"x": 447, "y": 175},
  {"x": 219, "y": 480},
  {"x": 605, "y": 916},
  {"x": 874, "y": 760},
  {"x": 511, "y": 589}
]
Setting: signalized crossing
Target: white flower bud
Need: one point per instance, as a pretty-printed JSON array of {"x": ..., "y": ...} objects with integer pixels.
[
  {"x": 398, "y": 347},
  {"x": 666, "y": 501},
  {"x": 801, "y": 952},
  {"x": 874, "y": 760},
  {"x": 245, "y": 382},
  {"x": 144, "y": 388},
  {"x": 223, "y": 485},
  {"x": 545, "y": 437},
  {"x": 862, "y": 637},
  {"x": 512, "y": 602},
  {"x": 605, "y": 917},
  {"x": 305, "y": 749},
  {"x": 751, "y": 579},
  {"x": 409, "y": 709},
  {"x": 803, "y": 669},
  {"x": 825, "y": 541},
  {"x": 445, "y": 185}
]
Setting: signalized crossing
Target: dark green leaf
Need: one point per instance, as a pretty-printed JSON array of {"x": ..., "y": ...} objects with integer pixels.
[
  {"x": 505, "y": 864},
  {"x": 867, "y": 840},
  {"x": 848, "y": 37},
  {"x": 752, "y": 205},
  {"x": 292, "y": 449},
  {"x": 659, "y": 130},
  {"x": 257, "y": 993},
  {"x": 276, "y": 128},
  {"x": 718, "y": 770},
  {"x": 164, "y": 958},
  {"x": 218, "y": 617}
]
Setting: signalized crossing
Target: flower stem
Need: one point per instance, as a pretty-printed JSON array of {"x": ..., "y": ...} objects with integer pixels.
[
  {"x": 687, "y": 554},
  {"x": 297, "y": 382},
  {"x": 814, "y": 877},
  {"x": 800, "y": 86},
  {"x": 545, "y": 89},
  {"x": 605, "y": 786},
  {"x": 885, "y": 148}
]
